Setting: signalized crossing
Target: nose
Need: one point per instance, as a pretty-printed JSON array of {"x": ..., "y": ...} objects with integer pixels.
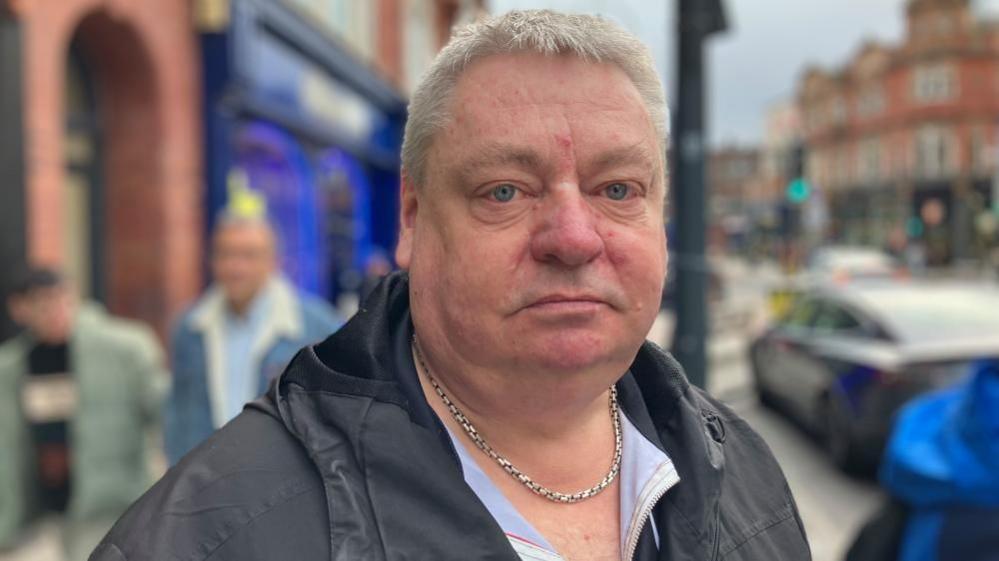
[{"x": 567, "y": 233}]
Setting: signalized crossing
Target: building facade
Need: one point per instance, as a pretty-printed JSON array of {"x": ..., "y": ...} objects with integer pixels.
[
  {"x": 902, "y": 139},
  {"x": 733, "y": 177}
]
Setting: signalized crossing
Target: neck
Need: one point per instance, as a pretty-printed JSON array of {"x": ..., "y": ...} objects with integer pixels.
[
  {"x": 536, "y": 427},
  {"x": 239, "y": 307}
]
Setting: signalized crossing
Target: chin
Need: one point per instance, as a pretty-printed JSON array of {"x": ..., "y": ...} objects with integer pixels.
[{"x": 570, "y": 352}]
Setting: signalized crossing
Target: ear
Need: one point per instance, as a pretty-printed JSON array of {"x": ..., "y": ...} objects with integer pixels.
[{"x": 408, "y": 207}]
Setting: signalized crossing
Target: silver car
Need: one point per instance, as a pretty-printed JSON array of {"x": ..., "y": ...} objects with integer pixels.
[{"x": 846, "y": 357}]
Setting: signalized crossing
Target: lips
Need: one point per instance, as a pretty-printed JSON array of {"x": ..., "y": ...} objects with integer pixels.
[{"x": 567, "y": 302}]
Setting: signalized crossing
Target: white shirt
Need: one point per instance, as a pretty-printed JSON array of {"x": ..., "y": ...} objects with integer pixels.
[{"x": 647, "y": 473}]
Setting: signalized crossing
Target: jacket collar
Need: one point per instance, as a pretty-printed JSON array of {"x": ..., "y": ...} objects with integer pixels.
[
  {"x": 285, "y": 315},
  {"x": 284, "y": 319}
]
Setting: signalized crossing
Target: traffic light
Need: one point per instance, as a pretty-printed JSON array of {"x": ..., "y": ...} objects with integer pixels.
[{"x": 798, "y": 189}]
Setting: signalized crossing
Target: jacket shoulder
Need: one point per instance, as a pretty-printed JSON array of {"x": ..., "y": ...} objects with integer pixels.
[
  {"x": 116, "y": 330},
  {"x": 12, "y": 351},
  {"x": 759, "y": 516},
  {"x": 247, "y": 492}
]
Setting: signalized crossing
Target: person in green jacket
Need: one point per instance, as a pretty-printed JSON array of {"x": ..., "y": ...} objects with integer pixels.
[{"x": 80, "y": 391}]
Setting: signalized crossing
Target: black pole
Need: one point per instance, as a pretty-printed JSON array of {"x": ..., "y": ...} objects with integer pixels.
[
  {"x": 696, "y": 20},
  {"x": 13, "y": 246}
]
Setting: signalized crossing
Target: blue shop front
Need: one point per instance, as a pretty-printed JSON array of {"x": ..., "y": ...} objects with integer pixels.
[{"x": 313, "y": 130}]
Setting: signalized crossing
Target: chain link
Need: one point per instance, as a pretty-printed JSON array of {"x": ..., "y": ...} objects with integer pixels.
[{"x": 508, "y": 467}]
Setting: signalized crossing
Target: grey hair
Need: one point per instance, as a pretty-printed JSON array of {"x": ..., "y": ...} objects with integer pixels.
[{"x": 591, "y": 38}]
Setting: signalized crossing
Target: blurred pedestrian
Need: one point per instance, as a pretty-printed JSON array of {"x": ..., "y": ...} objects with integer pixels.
[
  {"x": 80, "y": 391},
  {"x": 497, "y": 399},
  {"x": 940, "y": 469},
  {"x": 240, "y": 334}
]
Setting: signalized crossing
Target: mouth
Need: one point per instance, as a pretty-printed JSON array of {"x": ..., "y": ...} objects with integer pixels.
[{"x": 567, "y": 303}]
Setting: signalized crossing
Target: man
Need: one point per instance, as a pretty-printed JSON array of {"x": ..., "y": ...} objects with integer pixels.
[
  {"x": 240, "y": 334},
  {"x": 499, "y": 400},
  {"x": 80, "y": 391}
]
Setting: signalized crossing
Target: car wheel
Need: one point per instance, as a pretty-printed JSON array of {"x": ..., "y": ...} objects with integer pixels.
[
  {"x": 765, "y": 394},
  {"x": 838, "y": 435}
]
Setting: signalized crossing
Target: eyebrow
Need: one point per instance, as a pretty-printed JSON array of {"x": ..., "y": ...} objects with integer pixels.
[
  {"x": 527, "y": 158},
  {"x": 617, "y": 157},
  {"x": 498, "y": 154}
]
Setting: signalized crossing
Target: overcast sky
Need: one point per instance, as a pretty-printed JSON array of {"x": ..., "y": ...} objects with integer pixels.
[{"x": 757, "y": 62}]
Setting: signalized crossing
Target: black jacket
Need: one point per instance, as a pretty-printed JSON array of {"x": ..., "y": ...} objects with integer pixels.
[{"x": 345, "y": 460}]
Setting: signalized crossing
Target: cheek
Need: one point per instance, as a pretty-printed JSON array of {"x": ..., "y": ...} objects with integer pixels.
[
  {"x": 639, "y": 258},
  {"x": 467, "y": 270}
]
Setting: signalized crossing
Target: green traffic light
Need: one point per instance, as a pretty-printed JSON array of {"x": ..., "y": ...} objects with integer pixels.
[{"x": 798, "y": 190}]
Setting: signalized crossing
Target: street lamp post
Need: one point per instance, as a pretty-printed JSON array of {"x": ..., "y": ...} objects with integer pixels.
[{"x": 696, "y": 19}]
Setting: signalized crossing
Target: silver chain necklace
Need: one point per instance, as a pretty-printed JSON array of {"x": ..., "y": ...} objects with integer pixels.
[{"x": 508, "y": 467}]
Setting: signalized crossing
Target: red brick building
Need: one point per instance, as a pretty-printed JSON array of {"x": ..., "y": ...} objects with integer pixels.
[
  {"x": 734, "y": 181},
  {"x": 901, "y": 132},
  {"x": 110, "y": 147}
]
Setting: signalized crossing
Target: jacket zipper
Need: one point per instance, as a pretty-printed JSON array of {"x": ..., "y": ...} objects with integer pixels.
[{"x": 670, "y": 478}]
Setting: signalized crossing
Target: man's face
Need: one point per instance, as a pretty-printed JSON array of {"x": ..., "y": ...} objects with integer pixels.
[
  {"x": 537, "y": 241},
  {"x": 48, "y": 314},
  {"x": 243, "y": 258}
]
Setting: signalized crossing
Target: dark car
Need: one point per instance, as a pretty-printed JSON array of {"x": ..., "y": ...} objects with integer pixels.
[{"x": 845, "y": 358}]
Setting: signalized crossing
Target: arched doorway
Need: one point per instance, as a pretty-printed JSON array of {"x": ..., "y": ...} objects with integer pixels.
[{"x": 112, "y": 157}]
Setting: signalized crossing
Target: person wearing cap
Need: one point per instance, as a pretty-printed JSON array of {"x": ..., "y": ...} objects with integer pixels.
[
  {"x": 242, "y": 332},
  {"x": 497, "y": 399},
  {"x": 80, "y": 395}
]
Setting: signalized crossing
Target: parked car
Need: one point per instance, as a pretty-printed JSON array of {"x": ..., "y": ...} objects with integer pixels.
[
  {"x": 841, "y": 262},
  {"x": 846, "y": 357}
]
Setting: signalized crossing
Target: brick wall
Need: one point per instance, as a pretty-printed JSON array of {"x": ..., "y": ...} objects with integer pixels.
[{"x": 143, "y": 56}]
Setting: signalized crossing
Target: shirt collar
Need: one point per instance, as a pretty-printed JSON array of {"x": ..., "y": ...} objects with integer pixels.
[{"x": 646, "y": 474}]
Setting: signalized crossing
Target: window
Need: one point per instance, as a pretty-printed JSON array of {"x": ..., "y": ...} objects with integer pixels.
[
  {"x": 935, "y": 153},
  {"x": 870, "y": 102},
  {"x": 837, "y": 111},
  {"x": 980, "y": 156},
  {"x": 944, "y": 24},
  {"x": 870, "y": 161},
  {"x": 934, "y": 83},
  {"x": 836, "y": 319},
  {"x": 802, "y": 313}
]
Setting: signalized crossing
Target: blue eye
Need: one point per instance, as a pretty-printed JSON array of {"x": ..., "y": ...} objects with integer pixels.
[
  {"x": 617, "y": 191},
  {"x": 504, "y": 192}
]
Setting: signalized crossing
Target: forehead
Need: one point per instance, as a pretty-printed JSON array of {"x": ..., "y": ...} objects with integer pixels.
[
  {"x": 245, "y": 233},
  {"x": 549, "y": 103}
]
